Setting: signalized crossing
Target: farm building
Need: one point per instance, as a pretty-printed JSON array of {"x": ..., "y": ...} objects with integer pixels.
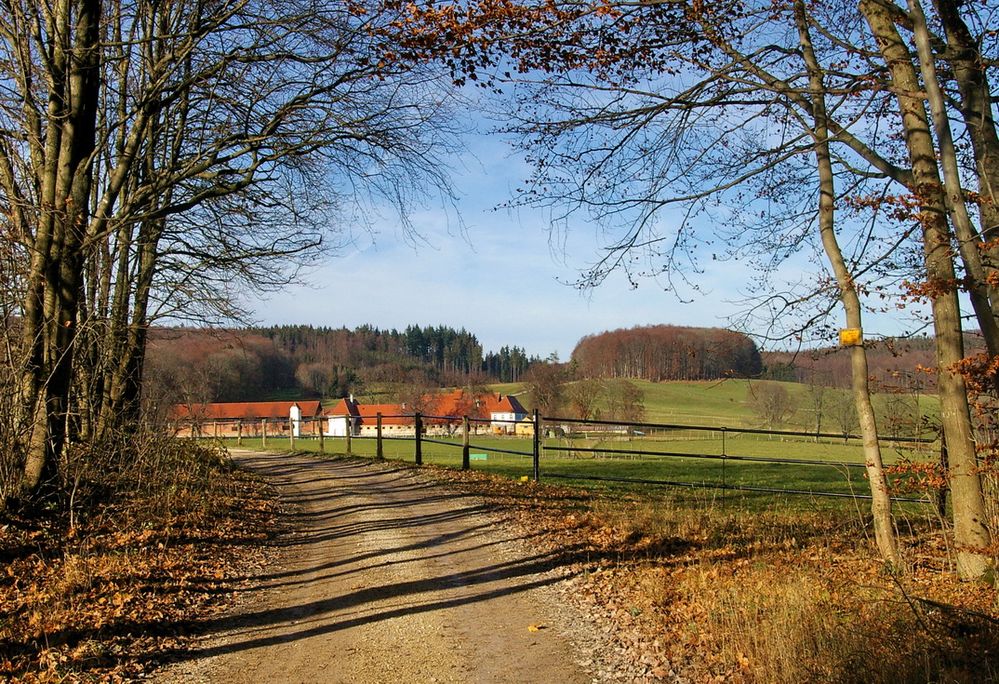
[
  {"x": 363, "y": 419},
  {"x": 229, "y": 419},
  {"x": 500, "y": 413},
  {"x": 525, "y": 427}
]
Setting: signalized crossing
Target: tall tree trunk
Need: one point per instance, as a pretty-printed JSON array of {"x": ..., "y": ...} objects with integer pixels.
[
  {"x": 968, "y": 239},
  {"x": 55, "y": 279},
  {"x": 970, "y": 533},
  {"x": 127, "y": 336},
  {"x": 884, "y": 532},
  {"x": 968, "y": 66}
]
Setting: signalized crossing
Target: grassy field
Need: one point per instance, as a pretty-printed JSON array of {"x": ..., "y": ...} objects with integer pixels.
[
  {"x": 711, "y": 403},
  {"x": 727, "y": 403},
  {"x": 663, "y": 460},
  {"x": 684, "y": 457}
]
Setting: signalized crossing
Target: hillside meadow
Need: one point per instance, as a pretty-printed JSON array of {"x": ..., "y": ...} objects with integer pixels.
[
  {"x": 728, "y": 403},
  {"x": 719, "y": 403}
]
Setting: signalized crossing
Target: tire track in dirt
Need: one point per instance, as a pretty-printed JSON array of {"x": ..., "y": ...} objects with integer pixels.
[{"x": 385, "y": 577}]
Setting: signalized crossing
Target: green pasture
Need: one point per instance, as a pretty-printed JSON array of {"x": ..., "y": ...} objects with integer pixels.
[
  {"x": 727, "y": 403},
  {"x": 663, "y": 458},
  {"x": 668, "y": 455},
  {"x": 717, "y": 403}
]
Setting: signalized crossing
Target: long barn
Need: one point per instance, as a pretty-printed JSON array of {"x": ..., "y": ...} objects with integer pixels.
[{"x": 228, "y": 419}]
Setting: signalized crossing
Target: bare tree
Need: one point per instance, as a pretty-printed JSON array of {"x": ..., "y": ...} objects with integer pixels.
[
  {"x": 624, "y": 401},
  {"x": 771, "y": 403},
  {"x": 663, "y": 121},
  {"x": 583, "y": 397},
  {"x": 934, "y": 201},
  {"x": 418, "y": 394},
  {"x": 160, "y": 158},
  {"x": 843, "y": 411},
  {"x": 546, "y": 383},
  {"x": 817, "y": 396}
]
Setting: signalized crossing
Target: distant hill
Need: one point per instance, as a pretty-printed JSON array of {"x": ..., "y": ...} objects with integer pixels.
[
  {"x": 667, "y": 352},
  {"x": 303, "y": 361},
  {"x": 894, "y": 363}
]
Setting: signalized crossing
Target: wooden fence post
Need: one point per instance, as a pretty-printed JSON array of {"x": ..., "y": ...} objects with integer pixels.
[
  {"x": 322, "y": 438},
  {"x": 379, "y": 451},
  {"x": 418, "y": 424},
  {"x": 239, "y": 432},
  {"x": 465, "y": 463},
  {"x": 350, "y": 433},
  {"x": 263, "y": 433},
  {"x": 291, "y": 434}
]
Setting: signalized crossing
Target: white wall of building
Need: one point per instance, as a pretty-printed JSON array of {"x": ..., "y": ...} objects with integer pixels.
[{"x": 336, "y": 426}]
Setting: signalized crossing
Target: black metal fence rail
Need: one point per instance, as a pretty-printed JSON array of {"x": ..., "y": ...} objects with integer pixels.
[
  {"x": 724, "y": 486},
  {"x": 461, "y": 426},
  {"x": 716, "y": 457},
  {"x": 730, "y": 430}
]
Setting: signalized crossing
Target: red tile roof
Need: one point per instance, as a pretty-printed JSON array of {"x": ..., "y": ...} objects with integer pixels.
[
  {"x": 501, "y": 404},
  {"x": 392, "y": 414},
  {"x": 454, "y": 403},
  {"x": 457, "y": 402},
  {"x": 342, "y": 408},
  {"x": 244, "y": 410}
]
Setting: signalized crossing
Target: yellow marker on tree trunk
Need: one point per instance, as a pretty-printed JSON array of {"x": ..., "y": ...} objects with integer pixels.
[{"x": 850, "y": 337}]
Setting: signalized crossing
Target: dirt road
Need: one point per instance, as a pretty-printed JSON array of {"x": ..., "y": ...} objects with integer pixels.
[{"x": 386, "y": 577}]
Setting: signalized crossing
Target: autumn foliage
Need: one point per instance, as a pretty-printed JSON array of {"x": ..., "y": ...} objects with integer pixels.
[
  {"x": 106, "y": 589},
  {"x": 693, "y": 587},
  {"x": 251, "y": 364},
  {"x": 666, "y": 352}
]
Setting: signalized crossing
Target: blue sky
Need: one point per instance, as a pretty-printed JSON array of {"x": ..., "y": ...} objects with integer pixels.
[{"x": 499, "y": 276}]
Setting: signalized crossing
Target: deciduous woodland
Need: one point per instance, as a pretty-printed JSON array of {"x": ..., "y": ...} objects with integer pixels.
[
  {"x": 258, "y": 363},
  {"x": 893, "y": 364},
  {"x": 254, "y": 363},
  {"x": 667, "y": 352}
]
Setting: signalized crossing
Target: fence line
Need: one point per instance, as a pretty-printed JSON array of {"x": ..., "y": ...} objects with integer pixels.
[
  {"x": 726, "y": 457},
  {"x": 739, "y": 430},
  {"x": 293, "y": 430}
]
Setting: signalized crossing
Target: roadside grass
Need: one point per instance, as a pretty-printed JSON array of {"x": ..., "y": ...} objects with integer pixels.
[
  {"x": 720, "y": 588},
  {"x": 103, "y": 584}
]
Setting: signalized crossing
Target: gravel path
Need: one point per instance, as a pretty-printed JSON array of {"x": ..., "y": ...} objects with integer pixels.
[{"x": 386, "y": 577}]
